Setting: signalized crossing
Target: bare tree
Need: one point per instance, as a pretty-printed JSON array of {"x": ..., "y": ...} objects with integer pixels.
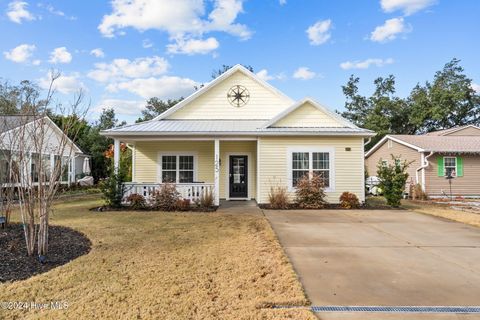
[{"x": 39, "y": 156}]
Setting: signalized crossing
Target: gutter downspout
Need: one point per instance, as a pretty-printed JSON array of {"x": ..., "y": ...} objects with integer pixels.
[
  {"x": 424, "y": 165},
  {"x": 368, "y": 141}
]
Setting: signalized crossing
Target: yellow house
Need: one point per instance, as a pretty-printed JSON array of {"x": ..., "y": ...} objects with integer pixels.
[{"x": 238, "y": 136}]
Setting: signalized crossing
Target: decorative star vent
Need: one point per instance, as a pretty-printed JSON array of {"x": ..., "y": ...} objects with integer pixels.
[{"x": 238, "y": 96}]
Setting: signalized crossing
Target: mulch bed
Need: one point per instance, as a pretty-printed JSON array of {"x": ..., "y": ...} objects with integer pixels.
[
  {"x": 65, "y": 244},
  {"x": 128, "y": 208}
]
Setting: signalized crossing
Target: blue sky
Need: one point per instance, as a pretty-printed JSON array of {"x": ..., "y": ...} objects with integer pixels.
[{"x": 123, "y": 52}]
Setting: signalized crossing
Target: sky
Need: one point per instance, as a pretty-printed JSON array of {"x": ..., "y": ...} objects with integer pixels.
[{"x": 122, "y": 52}]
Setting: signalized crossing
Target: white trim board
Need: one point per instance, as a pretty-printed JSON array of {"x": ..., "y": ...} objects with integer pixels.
[{"x": 384, "y": 139}]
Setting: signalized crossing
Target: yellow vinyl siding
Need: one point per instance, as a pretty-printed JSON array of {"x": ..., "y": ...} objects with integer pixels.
[
  {"x": 348, "y": 165},
  {"x": 307, "y": 116},
  {"x": 146, "y": 160},
  {"x": 147, "y": 165},
  {"x": 213, "y": 104},
  {"x": 238, "y": 148}
]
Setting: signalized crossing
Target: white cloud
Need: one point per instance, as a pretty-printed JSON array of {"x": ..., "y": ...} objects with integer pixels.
[
  {"x": 476, "y": 87},
  {"x": 63, "y": 84},
  {"x": 265, "y": 76},
  {"x": 389, "y": 30},
  {"x": 407, "y": 6},
  {"x": 60, "y": 55},
  {"x": 124, "y": 107},
  {"x": 21, "y": 53},
  {"x": 282, "y": 2},
  {"x": 146, "y": 43},
  {"x": 51, "y": 9},
  {"x": 164, "y": 87},
  {"x": 365, "y": 64},
  {"x": 122, "y": 69},
  {"x": 304, "y": 73},
  {"x": 182, "y": 20},
  {"x": 97, "y": 52},
  {"x": 319, "y": 32},
  {"x": 17, "y": 11},
  {"x": 193, "y": 46}
]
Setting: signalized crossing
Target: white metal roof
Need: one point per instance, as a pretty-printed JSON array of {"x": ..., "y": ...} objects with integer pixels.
[{"x": 210, "y": 127}]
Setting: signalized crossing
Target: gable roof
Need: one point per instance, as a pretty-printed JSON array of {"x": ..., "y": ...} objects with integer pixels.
[
  {"x": 445, "y": 132},
  {"x": 11, "y": 122},
  {"x": 282, "y": 115},
  {"x": 215, "y": 82},
  {"x": 431, "y": 143}
]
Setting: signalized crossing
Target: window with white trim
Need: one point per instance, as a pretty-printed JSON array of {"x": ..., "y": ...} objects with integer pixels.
[
  {"x": 177, "y": 168},
  {"x": 309, "y": 163},
  {"x": 450, "y": 166}
]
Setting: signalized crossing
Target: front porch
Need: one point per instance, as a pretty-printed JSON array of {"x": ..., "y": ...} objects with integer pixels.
[{"x": 225, "y": 167}]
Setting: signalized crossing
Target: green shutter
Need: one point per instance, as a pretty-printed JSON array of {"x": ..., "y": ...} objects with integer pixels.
[
  {"x": 440, "y": 167},
  {"x": 459, "y": 167}
]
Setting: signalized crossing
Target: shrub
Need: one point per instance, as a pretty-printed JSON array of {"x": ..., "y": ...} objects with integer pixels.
[
  {"x": 310, "y": 193},
  {"x": 392, "y": 180},
  {"x": 113, "y": 189},
  {"x": 349, "y": 200},
  {"x": 417, "y": 192},
  {"x": 166, "y": 197},
  {"x": 206, "y": 200},
  {"x": 183, "y": 204},
  {"x": 137, "y": 201},
  {"x": 278, "y": 197}
]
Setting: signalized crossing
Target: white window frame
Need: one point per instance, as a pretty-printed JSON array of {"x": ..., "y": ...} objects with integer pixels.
[
  {"x": 310, "y": 150},
  {"x": 445, "y": 167},
  {"x": 177, "y": 154}
]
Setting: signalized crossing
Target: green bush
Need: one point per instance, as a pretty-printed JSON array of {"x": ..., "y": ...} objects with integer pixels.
[
  {"x": 310, "y": 193},
  {"x": 113, "y": 190},
  {"x": 393, "y": 179}
]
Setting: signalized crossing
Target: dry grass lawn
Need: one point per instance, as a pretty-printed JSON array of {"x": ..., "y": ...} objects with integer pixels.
[
  {"x": 155, "y": 265},
  {"x": 443, "y": 211}
]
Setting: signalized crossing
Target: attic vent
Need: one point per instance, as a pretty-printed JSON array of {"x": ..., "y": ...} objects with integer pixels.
[{"x": 348, "y": 149}]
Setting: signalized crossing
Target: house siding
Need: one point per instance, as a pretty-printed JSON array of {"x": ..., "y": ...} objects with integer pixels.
[
  {"x": 467, "y": 185},
  {"x": 397, "y": 149},
  {"x": 348, "y": 165},
  {"x": 213, "y": 104},
  {"x": 146, "y": 167},
  {"x": 307, "y": 116}
]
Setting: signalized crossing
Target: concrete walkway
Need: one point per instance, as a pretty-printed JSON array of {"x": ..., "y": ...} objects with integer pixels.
[{"x": 382, "y": 257}]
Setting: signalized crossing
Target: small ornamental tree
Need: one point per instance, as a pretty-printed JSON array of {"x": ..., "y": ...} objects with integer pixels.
[{"x": 393, "y": 179}]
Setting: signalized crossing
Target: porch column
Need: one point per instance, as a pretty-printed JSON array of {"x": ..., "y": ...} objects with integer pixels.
[
  {"x": 216, "y": 169},
  {"x": 116, "y": 155}
]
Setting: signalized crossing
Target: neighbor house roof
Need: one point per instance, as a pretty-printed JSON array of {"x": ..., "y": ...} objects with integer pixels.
[
  {"x": 9, "y": 122},
  {"x": 224, "y": 127},
  {"x": 432, "y": 143},
  {"x": 445, "y": 132}
]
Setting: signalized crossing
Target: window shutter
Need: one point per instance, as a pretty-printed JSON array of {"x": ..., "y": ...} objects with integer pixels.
[
  {"x": 459, "y": 167},
  {"x": 440, "y": 167}
]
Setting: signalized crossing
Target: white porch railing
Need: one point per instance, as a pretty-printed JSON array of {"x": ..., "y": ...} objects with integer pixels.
[{"x": 191, "y": 191}]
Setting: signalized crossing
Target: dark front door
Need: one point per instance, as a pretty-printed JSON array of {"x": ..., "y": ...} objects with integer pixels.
[{"x": 238, "y": 177}]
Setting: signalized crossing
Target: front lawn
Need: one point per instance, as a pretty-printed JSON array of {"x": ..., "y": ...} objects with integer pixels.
[{"x": 155, "y": 265}]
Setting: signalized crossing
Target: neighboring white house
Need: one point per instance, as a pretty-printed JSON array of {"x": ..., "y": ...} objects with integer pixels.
[
  {"x": 239, "y": 137},
  {"x": 19, "y": 134}
]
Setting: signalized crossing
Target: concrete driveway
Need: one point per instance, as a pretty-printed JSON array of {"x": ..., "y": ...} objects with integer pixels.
[{"x": 381, "y": 257}]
